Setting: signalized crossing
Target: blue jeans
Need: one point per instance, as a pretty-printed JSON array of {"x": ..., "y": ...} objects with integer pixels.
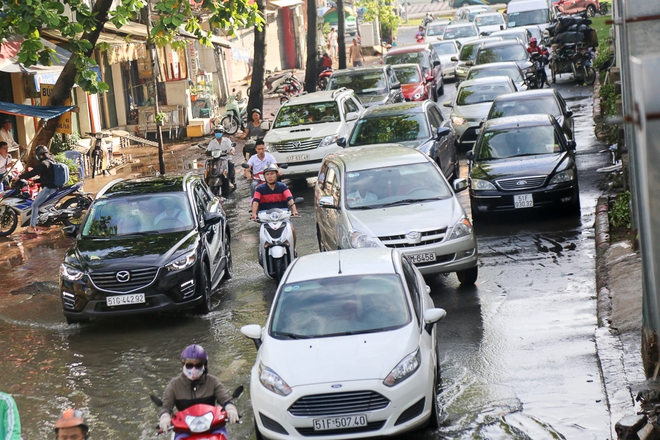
[{"x": 38, "y": 201}]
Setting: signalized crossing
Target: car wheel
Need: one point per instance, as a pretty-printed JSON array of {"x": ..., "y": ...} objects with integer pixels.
[
  {"x": 229, "y": 265},
  {"x": 319, "y": 241},
  {"x": 434, "y": 420},
  {"x": 441, "y": 91},
  {"x": 204, "y": 288},
  {"x": 469, "y": 276},
  {"x": 591, "y": 11}
]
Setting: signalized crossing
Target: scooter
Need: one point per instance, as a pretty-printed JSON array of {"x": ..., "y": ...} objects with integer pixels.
[
  {"x": 16, "y": 207},
  {"x": 199, "y": 422},
  {"x": 216, "y": 172},
  {"x": 97, "y": 152},
  {"x": 283, "y": 82},
  {"x": 257, "y": 179},
  {"x": 538, "y": 78},
  {"x": 235, "y": 116},
  {"x": 323, "y": 78}
]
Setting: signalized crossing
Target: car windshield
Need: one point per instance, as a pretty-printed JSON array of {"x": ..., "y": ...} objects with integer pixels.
[
  {"x": 138, "y": 215},
  {"x": 512, "y": 36},
  {"x": 452, "y": 33},
  {"x": 510, "y": 71},
  {"x": 306, "y": 114},
  {"x": 407, "y": 75},
  {"x": 337, "y": 306},
  {"x": 363, "y": 83},
  {"x": 477, "y": 94},
  {"x": 420, "y": 58},
  {"x": 524, "y": 18},
  {"x": 389, "y": 129},
  {"x": 489, "y": 20},
  {"x": 515, "y": 107},
  {"x": 513, "y": 52},
  {"x": 394, "y": 186},
  {"x": 526, "y": 141},
  {"x": 435, "y": 29},
  {"x": 469, "y": 51},
  {"x": 444, "y": 48}
]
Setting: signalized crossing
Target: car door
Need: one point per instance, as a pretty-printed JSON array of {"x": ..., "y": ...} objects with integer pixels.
[
  {"x": 445, "y": 155},
  {"x": 395, "y": 86},
  {"x": 205, "y": 201},
  {"x": 348, "y": 105},
  {"x": 568, "y": 124},
  {"x": 415, "y": 285},
  {"x": 328, "y": 218}
]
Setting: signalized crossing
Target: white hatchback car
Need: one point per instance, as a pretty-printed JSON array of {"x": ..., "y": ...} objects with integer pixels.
[{"x": 348, "y": 350}]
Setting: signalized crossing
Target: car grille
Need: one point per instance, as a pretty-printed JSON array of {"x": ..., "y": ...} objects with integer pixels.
[
  {"x": 297, "y": 145},
  {"x": 371, "y": 426},
  {"x": 519, "y": 183},
  {"x": 322, "y": 405},
  {"x": 138, "y": 278},
  {"x": 400, "y": 241}
]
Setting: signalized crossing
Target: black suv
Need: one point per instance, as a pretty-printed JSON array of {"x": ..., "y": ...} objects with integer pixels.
[
  {"x": 373, "y": 85},
  {"x": 146, "y": 245}
]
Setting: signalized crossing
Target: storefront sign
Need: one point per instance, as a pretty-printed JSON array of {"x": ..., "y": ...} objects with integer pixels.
[{"x": 64, "y": 122}]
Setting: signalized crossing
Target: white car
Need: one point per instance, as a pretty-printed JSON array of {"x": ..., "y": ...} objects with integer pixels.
[
  {"x": 461, "y": 32},
  {"x": 488, "y": 22},
  {"x": 307, "y": 127},
  {"x": 348, "y": 349},
  {"x": 447, "y": 50}
]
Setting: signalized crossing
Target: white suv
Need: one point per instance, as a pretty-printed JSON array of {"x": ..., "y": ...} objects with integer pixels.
[{"x": 307, "y": 127}]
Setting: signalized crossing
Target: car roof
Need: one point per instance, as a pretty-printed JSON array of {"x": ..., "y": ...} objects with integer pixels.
[
  {"x": 519, "y": 30},
  {"x": 445, "y": 21},
  {"x": 322, "y": 96},
  {"x": 358, "y": 70},
  {"x": 407, "y": 65},
  {"x": 487, "y": 13},
  {"x": 408, "y": 48},
  {"x": 145, "y": 185},
  {"x": 395, "y": 109},
  {"x": 527, "y": 94},
  {"x": 377, "y": 156},
  {"x": 481, "y": 40},
  {"x": 518, "y": 121},
  {"x": 461, "y": 24},
  {"x": 501, "y": 43},
  {"x": 346, "y": 262},
  {"x": 495, "y": 65},
  {"x": 482, "y": 81}
]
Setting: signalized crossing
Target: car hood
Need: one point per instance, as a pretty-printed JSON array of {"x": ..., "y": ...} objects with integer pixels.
[
  {"x": 446, "y": 59},
  {"x": 371, "y": 99},
  {"x": 490, "y": 28},
  {"x": 134, "y": 250},
  {"x": 409, "y": 90},
  {"x": 543, "y": 164},
  {"x": 320, "y": 130},
  {"x": 473, "y": 111},
  {"x": 340, "y": 358}
]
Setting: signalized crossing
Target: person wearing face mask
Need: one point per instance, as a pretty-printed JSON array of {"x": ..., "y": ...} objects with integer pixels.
[
  {"x": 193, "y": 386},
  {"x": 222, "y": 143}
]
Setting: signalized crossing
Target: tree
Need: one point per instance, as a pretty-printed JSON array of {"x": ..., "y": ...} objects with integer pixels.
[
  {"x": 341, "y": 37},
  {"x": 26, "y": 18},
  {"x": 385, "y": 11},
  {"x": 312, "y": 56},
  {"x": 256, "y": 99}
]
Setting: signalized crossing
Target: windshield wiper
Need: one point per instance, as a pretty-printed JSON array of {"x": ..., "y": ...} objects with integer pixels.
[
  {"x": 292, "y": 335},
  {"x": 365, "y": 207},
  {"x": 407, "y": 202}
]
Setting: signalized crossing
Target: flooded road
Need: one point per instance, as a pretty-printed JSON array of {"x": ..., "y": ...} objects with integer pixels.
[{"x": 517, "y": 350}]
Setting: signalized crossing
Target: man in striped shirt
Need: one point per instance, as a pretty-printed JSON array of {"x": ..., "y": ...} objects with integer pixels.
[{"x": 272, "y": 194}]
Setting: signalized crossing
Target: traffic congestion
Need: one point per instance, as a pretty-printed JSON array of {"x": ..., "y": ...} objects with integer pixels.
[{"x": 406, "y": 252}]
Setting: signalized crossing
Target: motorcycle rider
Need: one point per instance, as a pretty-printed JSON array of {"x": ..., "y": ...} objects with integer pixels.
[
  {"x": 193, "y": 386},
  {"x": 71, "y": 426},
  {"x": 44, "y": 170},
  {"x": 326, "y": 62},
  {"x": 258, "y": 163},
  {"x": 273, "y": 194},
  {"x": 224, "y": 144},
  {"x": 253, "y": 128},
  {"x": 419, "y": 36},
  {"x": 533, "y": 48}
]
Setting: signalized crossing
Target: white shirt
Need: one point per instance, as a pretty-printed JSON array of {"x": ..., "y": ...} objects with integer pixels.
[
  {"x": 357, "y": 199},
  {"x": 5, "y": 163},
  {"x": 6, "y": 136},
  {"x": 258, "y": 165},
  {"x": 223, "y": 145}
]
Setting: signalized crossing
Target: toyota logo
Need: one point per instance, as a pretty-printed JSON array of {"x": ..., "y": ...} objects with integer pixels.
[
  {"x": 414, "y": 236},
  {"x": 296, "y": 144},
  {"x": 521, "y": 182},
  {"x": 123, "y": 276}
]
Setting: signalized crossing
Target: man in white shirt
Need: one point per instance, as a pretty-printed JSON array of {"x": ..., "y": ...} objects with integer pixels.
[
  {"x": 360, "y": 195},
  {"x": 257, "y": 164},
  {"x": 224, "y": 144},
  {"x": 6, "y": 136}
]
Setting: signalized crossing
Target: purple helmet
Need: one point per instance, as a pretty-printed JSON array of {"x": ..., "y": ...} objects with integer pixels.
[{"x": 194, "y": 352}]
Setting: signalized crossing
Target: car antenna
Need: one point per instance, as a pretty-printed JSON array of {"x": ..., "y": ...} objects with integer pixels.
[{"x": 339, "y": 254}]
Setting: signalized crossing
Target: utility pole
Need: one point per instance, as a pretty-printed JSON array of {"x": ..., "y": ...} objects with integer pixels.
[{"x": 155, "y": 66}]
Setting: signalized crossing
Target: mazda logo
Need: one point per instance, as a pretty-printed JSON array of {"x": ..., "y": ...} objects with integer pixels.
[
  {"x": 521, "y": 182},
  {"x": 296, "y": 144},
  {"x": 123, "y": 276}
]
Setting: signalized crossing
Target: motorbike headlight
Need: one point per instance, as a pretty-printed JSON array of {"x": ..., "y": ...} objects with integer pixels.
[
  {"x": 328, "y": 140},
  {"x": 481, "y": 185},
  {"x": 70, "y": 273},
  {"x": 215, "y": 153},
  {"x": 404, "y": 369},
  {"x": 461, "y": 229},
  {"x": 563, "y": 176},
  {"x": 458, "y": 120},
  {"x": 273, "y": 381},
  {"x": 361, "y": 240},
  {"x": 183, "y": 262},
  {"x": 200, "y": 423}
]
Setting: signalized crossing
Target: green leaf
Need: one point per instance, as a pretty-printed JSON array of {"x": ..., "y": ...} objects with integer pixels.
[{"x": 23, "y": 27}]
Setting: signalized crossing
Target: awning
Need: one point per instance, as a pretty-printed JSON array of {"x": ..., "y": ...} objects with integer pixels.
[
  {"x": 11, "y": 64},
  {"x": 285, "y": 3},
  {"x": 34, "y": 111}
]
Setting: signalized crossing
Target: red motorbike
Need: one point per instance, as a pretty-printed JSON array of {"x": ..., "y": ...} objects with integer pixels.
[{"x": 323, "y": 78}]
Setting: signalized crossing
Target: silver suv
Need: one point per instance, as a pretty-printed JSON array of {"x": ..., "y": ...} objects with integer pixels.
[{"x": 307, "y": 127}]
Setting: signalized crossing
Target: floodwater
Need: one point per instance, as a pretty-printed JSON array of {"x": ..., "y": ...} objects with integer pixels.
[{"x": 517, "y": 351}]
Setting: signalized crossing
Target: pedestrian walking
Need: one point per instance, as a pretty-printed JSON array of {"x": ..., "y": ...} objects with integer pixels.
[
  {"x": 333, "y": 44},
  {"x": 355, "y": 54}
]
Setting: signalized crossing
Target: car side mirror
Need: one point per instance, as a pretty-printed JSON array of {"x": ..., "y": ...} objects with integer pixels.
[
  {"x": 341, "y": 142},
  {"x": 431, "y": 317},
  {"x": 469, "y": 63},
  {"x": 265, "y": 125},
  {"x": 436, "y": 63},
  {"x": 327, "y": 202},
  {"x": 572, "y": 145},
  {"x": 447, "y": 104},
  {"x": 569, "y": 114},
  {"x": 351, "y": 116},
  {"x": 442, "y": 132},
  {"x": 253, "y": 331},
  {"x": 396, "y": 85},
  {"x": 455, "y": 59},
  {"x": 70, "y": 231},
  {"x": 460, "y": 185},
  {"x": 469, "y": 155},
  {"x": 428, "y": 78},
  {"x": 212, "y": 218}
]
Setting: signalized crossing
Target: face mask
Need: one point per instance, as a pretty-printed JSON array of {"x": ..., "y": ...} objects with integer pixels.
[
  {"x": 218, "y": 135},
  {"x": 193, "y": 373}
]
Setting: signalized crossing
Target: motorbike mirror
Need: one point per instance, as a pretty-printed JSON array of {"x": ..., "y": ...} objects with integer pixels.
[
  {"x": 70, "y": 231},
  {"x": 156, "y": 400},
  {"x": 245, "y": 165},
  {"x": 284, "y": 166},
  {"x": 299, "y": 200},
  {"x": 237, "y": 392},
  {"x": 469, "y": 155}
]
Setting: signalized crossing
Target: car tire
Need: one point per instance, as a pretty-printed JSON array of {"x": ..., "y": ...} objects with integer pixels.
[
  {"x": 319, "y": 241},
  {"x": 591, "y": 11},
  {"x": 441, "y": 90},
  {"x": 8, "y": 221},
  {"x": 434, "y": 420},
  {"x": 204, "y": 287},
  {"x": 257, "y": 433},
  {"x": 71, "y": 321},
  {"x": 229, "y": 265},
  {"x": 469, "y": 276},
  {"x": 79, "y": 205}
]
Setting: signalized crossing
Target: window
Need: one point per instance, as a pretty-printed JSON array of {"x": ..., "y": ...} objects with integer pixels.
[
  {"x": 434, "y": 119},
  {"x": 350, "y": 106},
  {"x": 413, "y": 288}
]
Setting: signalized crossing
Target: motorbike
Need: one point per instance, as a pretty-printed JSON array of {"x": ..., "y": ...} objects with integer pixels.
[
  {"x": 97, "y": 152},
  {"x": 322, "y": 79},
  {"x": 16, "y": 207},
  {"x": 419, "y": 37},
  {"x": 236, "y": 114},
  {"x": 216, "y": 172},
  {"x": 276, "y": 244},
  {"x": 258, "y": 178},
  {"x": 537, "y": 78},
  {"x": 199, "y": 422},
  {"x": 583, "y": 70}
]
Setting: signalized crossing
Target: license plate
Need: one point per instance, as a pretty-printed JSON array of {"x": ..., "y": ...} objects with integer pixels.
[
  {"x": 297, "y": 157},
  {"x": 423, "y": 258},
  {"x": 121, "y": 300},
  {"x": 340, "y": 422},
  {"x": 523, "y": 201}
]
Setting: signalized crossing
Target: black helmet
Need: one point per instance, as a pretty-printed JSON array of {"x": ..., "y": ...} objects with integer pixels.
[
  {"x": 219, "y": 130},
  {"x": 40, "y": 151},
  {"x": 255, "y": 110}
]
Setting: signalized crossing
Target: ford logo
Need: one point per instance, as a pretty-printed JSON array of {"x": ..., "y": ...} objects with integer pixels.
[
  {"x": 123, "y": 276},
  {"x": 521, "y": 182},
  {"x": 337, "y": 385}
]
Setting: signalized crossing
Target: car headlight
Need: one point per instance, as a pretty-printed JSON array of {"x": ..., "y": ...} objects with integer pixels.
[
  {"x": 404, "y": 369},
  {"x": 461, "y": 69},
  {"x": 481, "y": 185},
  {"x": 563, "y": 176},
  {"x": 200, "y": 423},
  {"x": 183, "y": 262},
  {"x": 328, "y": 140},
  {"x": 361, "y": 240},
  {"x": 461, "y": 229},
  {"x": 417, "y": 96},
  {"x": 269, "y": 147},
  {"x": 272, "y": 381},
  {"x": 70, "y": 274},
  {"x": 458, "y": 120}
]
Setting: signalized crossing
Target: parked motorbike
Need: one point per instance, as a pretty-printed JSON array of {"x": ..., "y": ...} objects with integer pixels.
[
  {"x": 216, "y": 171},
  {"x": 235, "y": 116},
  {"x": 276, "y": 81},
  {"x": 322, "y": 79},
  {"x": 583, "y": 70},
  {"x": 538, "y": 77},
  {"x": 199, "y": 422},
  {"x": 604, "y": 8},
  {"x": 96, "y": 153},
  {"x": 16, "y": 207}
]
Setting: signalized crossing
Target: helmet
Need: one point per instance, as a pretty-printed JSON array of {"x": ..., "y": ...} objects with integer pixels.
[
  {"x": 71, "y": 418},
  {"x": 219, "y": 129},
  {"x": 40, "y": 150},
  {"x": 255, "y": 110},
  {"x": 532, "y": 41},
  {"x": 194, "y": 352},
  {"x": 271, "y": 167}
]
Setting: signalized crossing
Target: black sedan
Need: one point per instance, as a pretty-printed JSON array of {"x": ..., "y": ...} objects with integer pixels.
[
  {"x": 522, "y": 163},
  {"x": 373, "y": 85},
  {"x": 419, "y": 125},
  {"x": 146, "y": 245}
]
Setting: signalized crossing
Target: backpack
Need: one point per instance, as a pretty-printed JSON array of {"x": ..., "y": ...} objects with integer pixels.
[{"x": 60, "y": 174}]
